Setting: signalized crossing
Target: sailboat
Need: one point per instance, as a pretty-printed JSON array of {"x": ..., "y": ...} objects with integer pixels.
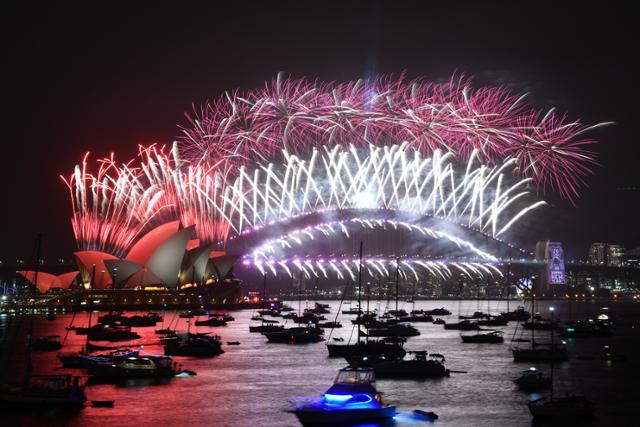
[
  {"x": 367, "y": 348},
  {"x": 539, "y": 352},
  {"x": 568, "y": 407},
  {"x": 48, "y": 391}
]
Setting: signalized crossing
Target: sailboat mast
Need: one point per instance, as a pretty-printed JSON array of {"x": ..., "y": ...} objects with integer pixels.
[
  {"x": 359, "y": 289},
  {"x": 29, "y": 368},
  {"x": 91, "y": 284},
  {"x": 552, "y": 349},
  {"x": 508, "y": 284},
  {"x": 533, "y": 317},
  {"x": 264, "y": 287},
  {"x": 397, "y": 283}
]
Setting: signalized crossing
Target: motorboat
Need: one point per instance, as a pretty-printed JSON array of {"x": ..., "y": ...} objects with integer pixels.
[
  {"x": 493, "y": 337},
  {"x": 475, "y": 315},
  {"x": 223, "y": 316},
  {"x": 211, "y": 321},
  {"x": 136, "y": 367},
  {"x": 46, "y": 392},
  {"x": 266, "y": 326},
  {"x": 395, "y": 330},
  {"x": 47, "y": 343},
  {"x": 532, "y": 380},
  {"x": 517, "y": 315},
  {"x": 439, "y": 321},
  {"x": 368, "y": 348},
  {"x": 194, "y": 345},
  {"x": 83, "y": 360},
  {"x": 109, "y": 332},
  {"x": 329, "y": 325},
  {"x": 420, "y": 366},
  {"x": 149, "y": 319},
  {"x": 296, "y": 335},
  {"x": 438, "y": 311},
  {"x": 418, "y": 318},
  {"x": 464, "y": 325},
  {"x": 353, "y": 399},
  {"x": 308, "y": 317}
]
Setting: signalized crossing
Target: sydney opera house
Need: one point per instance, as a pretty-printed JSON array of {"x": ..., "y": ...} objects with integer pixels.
[{"x": 163, "y": 260}]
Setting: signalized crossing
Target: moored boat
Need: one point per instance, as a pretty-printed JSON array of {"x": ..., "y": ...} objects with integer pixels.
[
  {"x": 421, "y": 366},
  {"x": 136, "y": 367},
  {"x": 211, "y": 321},
  {"x": 297, "y": 335},
  {"x": 46, "y": 392},
  {"x": 353, "y": 399},
  {"x": 373, "y": 348},
  {"x": 464, "y": 325},
  {"x": 194, "y": 345},
  {"x": 493, "y": 337}
]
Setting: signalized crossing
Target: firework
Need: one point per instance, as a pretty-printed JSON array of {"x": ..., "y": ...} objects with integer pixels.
[
  {"x": 116, "y": 205},
  {"x": 298, "y": 115},
  {"x": 390, "y": 177}
]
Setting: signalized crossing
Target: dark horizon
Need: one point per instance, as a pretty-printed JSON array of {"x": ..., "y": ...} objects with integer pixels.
[{"x": 107, "y": 80}]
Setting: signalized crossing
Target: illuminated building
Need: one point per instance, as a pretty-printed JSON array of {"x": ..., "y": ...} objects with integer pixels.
[
  {"x": 606, "y": 254},
  {"x": 554, "y": 272}
]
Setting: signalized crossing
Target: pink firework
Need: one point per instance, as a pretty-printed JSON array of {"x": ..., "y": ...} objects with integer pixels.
[
  {"x": 118, "y": 203},
  {"x": 297, "y": 115}
]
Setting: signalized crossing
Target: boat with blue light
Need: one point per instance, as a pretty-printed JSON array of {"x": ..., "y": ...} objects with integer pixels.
[{"x": 353, "y": 399}]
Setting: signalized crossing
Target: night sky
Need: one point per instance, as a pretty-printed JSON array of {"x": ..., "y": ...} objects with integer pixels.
[{"x": 109, "y": 79}]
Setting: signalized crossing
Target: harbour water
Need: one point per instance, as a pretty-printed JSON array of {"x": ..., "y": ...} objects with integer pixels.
[{"x": 251, "y": 383}]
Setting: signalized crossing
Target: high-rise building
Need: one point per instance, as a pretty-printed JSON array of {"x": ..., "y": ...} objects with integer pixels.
[
  {"x": 616, "y": 254},
  {"x": 606, "y": 254},
  {"x": 554, "y": 273}
]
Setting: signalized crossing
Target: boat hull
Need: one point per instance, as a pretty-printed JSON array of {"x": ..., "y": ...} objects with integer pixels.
[{"x": 342, "y": 417}]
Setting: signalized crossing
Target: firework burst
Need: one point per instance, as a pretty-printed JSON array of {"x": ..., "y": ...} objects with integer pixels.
[{"x": 297, "y": 115}]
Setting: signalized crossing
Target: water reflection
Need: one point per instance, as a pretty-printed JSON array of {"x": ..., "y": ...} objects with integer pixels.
[{"x": 251, "y": 383}]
